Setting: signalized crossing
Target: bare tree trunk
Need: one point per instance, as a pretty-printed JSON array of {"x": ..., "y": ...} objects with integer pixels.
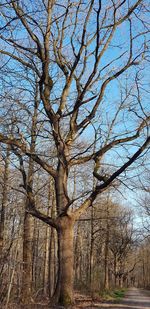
[
  {"x": 64, "y": 287},
  {"x": 28, "y": 219},
  {"x": 65, "y": 224},
  {"x": 51, "y": 264},
  {"x": 143, "y": 273},
  {"x": 27, "y": 259},
  {"x": 4, "y": 200},
  {"x": 115, "y": 271},
  {"x": 121, "y": 282},
  {"x": 66, "y": 265},
  {"x": 91, "y": 251},
  {"x": 106, "y": 278},
  {"x": 78, "y": 248},
  {"x": 106, "y": 269},
  {"x": 55, "y": 256},
  {"x": 92, "y": 235},
  {"x": 106, "y": 281},
  {"x": 46, "y": 260},
  {"x": 51, "y": 254},
  {"x": 48, "y": 235},
  {"x": 12, "y": 276},
  {"x": 35, "y": 255}
]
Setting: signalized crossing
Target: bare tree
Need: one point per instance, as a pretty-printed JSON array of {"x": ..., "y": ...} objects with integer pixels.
[
  {"x": 4, "y": 199},
  {"x": 83, "y": 73},
  {"x": 28, "y": 219},
  {"x": 121, "y": 244}
]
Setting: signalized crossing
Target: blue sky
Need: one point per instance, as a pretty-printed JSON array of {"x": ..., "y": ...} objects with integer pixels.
[{"x": 127, "y": 120}]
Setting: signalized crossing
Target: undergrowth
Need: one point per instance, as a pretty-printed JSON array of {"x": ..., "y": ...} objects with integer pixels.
[{"x": 115, "y": 294}]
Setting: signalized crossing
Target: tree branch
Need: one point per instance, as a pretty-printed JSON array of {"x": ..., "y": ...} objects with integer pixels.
[
  {"x": 15, "y": 142},
  {"x": 100, "y": 188},
  {"x": 103, "y": 150}
]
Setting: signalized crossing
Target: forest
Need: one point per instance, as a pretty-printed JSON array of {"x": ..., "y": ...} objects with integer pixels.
[{"x": 74, "y": 151}]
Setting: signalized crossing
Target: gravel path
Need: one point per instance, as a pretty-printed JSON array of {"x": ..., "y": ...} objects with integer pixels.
[{"x": 134, "y": 299}]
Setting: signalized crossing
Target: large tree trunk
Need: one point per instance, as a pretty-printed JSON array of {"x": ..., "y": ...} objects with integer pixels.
[
  {"x": 66, "y": 265},
  {"x": 64, "y": 288}
]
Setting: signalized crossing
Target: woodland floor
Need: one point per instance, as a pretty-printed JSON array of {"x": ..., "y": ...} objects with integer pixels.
[{"x": 134, "y": 299}]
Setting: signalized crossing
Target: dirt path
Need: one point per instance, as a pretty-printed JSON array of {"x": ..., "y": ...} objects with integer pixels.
[{"x": 134, "y": 299}]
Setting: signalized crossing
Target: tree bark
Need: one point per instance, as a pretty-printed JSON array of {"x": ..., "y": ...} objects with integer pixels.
[
  {"x": 64, "y": 288},
  {"x": 27, "y": 259},
  {"x": 66, "y": 265},
  {"x": 91, "y": 251},
  {"x": 106, "y": 278},
  {"x": 78, "y": 257},
  {"x": 115, "y": 270},
  {"x": 51, "y": 275},
  {"x": 28, "y": 219},
  {"x": 46, "y": 260},
  {"x": 4, "y": 200}
]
